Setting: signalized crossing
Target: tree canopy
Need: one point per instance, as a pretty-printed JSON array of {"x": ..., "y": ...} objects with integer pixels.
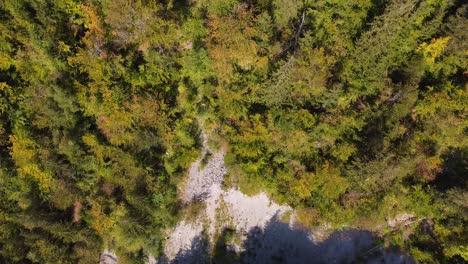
[{"x": 353, "y": 110}]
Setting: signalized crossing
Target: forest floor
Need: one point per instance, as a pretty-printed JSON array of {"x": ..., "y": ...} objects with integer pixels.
[{"x": 255, "y": 227}]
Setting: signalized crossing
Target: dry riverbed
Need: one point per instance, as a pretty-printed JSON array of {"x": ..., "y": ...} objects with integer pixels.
[{"x": 264, "y": 231}]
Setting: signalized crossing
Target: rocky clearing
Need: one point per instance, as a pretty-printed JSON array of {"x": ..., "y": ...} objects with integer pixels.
[{"x": 262, "y": 231}]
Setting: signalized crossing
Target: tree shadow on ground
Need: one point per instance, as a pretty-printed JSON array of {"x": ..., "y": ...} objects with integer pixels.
[
  {"x": 279, "y": 243},
  {"x": 198, "y": 253},
  {"x": 454, "y": 170}
]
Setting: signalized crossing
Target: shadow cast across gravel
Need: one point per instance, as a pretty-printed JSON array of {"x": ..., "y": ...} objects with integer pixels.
[
  {"x": 279, "y": 243},
  {"x": 198, "y": 253}
]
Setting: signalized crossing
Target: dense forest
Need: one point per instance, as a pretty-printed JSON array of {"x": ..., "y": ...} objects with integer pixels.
[{"x": 351, "y": 111}]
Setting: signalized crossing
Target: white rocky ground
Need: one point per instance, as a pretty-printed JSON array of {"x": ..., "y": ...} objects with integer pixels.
[
  {"x": 223, "y": 208},
  {"x": 107, "y": 257},
  {"x": 256, "y": 220},
  {"x": 203, "y": 176}
]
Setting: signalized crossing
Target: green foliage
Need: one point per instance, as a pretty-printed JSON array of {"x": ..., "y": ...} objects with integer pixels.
[
  {"x": 352, "y": 111},
  {"x": 284, "y": 11},
  {"x": 221, "y": 7},
  {"x": 88, "y": 93}
]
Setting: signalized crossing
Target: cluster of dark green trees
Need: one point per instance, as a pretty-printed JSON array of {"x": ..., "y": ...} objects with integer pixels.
[{"x": 351, "y": 111}]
